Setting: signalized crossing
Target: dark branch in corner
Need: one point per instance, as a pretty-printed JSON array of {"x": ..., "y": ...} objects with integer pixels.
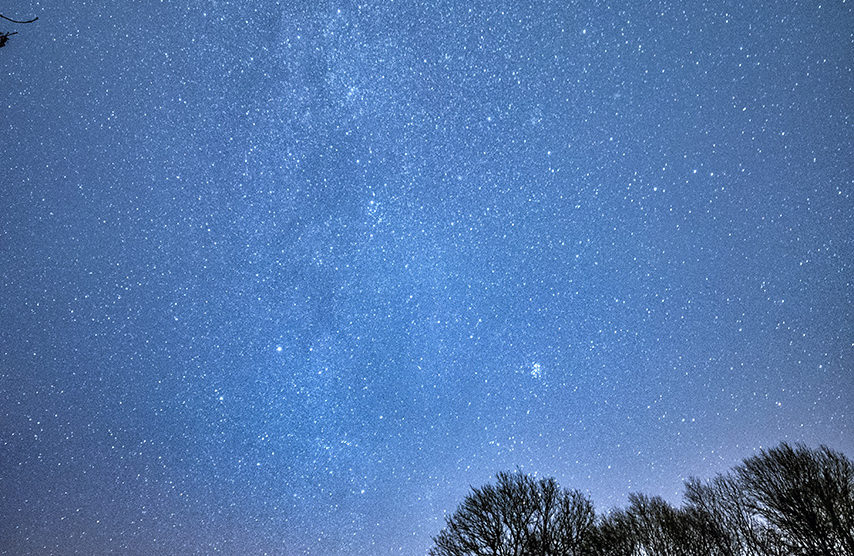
[{"x": 4, "y": 37}]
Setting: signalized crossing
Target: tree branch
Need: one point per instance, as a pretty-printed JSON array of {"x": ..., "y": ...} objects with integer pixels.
[{"x": 16, "y": 21}]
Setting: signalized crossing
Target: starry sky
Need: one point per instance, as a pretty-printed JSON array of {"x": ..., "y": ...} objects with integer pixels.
[{"x": 288, "y": 277}]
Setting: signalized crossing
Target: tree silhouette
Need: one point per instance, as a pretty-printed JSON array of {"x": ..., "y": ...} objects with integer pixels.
[
  {"x": 652, "y": 526},
  {"x": 787, "y": 501},
  {"x": 806, "y": 495},
  {"x": 735, "y": 529},
  {"x": 518, "y": 516}
]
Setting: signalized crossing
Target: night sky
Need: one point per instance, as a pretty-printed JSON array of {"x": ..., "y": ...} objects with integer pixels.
[{"x": 290, "y": 277}]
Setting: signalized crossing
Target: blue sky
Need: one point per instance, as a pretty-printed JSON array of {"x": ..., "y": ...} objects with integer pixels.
[{"x": 290, "y": 277}]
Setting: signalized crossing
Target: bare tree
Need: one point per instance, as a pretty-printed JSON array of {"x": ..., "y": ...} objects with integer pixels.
[
  {"x": 573, "y": 523},
  {"x": 519, "y": 516},
  {"x": 614, "y": 536},
  {"x": 652, "y": 526},
  {"x": 734, "y": 529},
  {"x": 787, "y": 501},
  {"x": 806, "y": 495}
]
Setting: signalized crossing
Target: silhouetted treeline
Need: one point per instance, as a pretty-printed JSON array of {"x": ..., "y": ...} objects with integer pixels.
[{"x": 787, "y": 501}]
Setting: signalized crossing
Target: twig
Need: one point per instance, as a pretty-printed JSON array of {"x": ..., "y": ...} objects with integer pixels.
[{"x": 16, "y": 21}]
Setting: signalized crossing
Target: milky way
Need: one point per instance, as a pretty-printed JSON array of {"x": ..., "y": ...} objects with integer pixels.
[{"x": 290, "y": 277}]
